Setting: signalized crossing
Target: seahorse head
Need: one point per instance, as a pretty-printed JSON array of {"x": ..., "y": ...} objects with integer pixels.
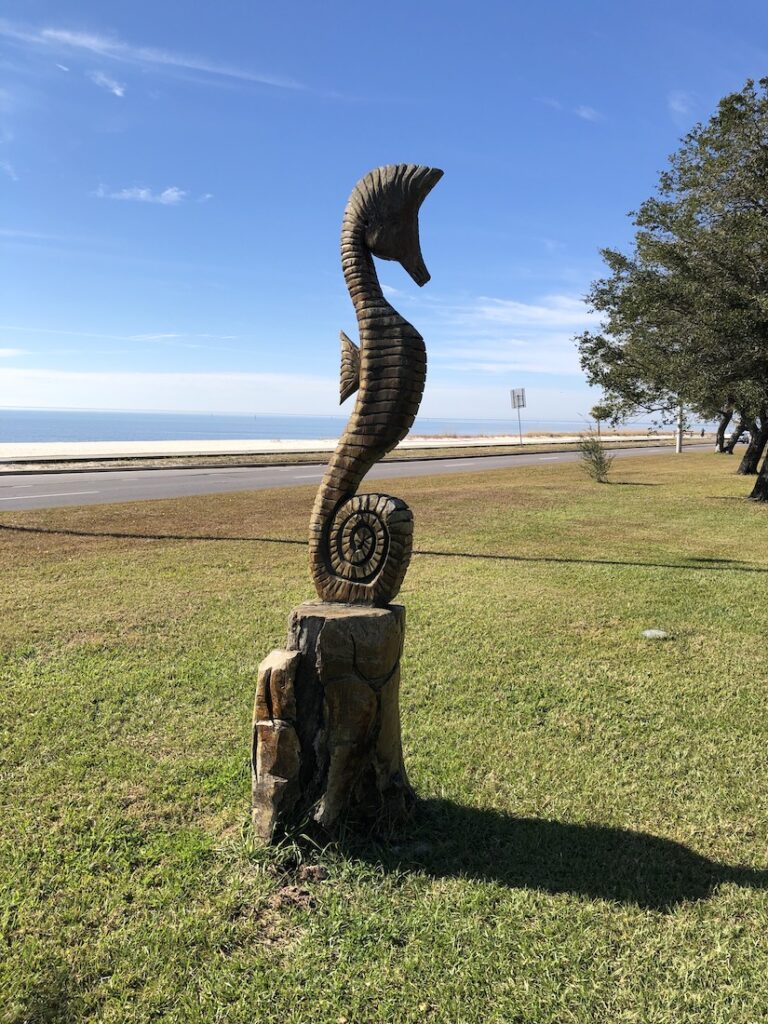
[{"x": 387, "y": 202}]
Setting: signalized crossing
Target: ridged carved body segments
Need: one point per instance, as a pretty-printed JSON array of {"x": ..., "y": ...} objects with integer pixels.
[{"x": 360, "y": 545}]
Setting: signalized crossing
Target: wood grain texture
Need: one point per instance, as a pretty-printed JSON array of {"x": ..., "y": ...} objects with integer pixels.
[
  {"x": 326, "y": 726},
  {"x": 360, "y": 545}
]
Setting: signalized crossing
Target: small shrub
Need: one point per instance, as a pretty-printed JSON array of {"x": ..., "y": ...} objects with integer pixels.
[{"x": 595, "y": 460}]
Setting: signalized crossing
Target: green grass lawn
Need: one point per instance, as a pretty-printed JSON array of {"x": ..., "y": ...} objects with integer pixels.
[{"x": 592, "y": 844}]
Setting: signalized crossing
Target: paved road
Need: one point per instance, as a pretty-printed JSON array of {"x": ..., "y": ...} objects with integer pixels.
[{"x": 50, "y": 490}]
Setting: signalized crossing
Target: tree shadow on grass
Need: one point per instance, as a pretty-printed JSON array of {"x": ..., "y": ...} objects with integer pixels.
[
  {"x": 132, "y": 535},
  {"x": 717, "y": 564},
  {"x": 733, "y": 498},
  {"x": 447, "y": 840},
  {"x": 715, "y": 561}
]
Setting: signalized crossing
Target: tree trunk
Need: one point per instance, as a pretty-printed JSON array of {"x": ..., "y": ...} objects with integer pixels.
[
  {"x": 725, "y": 418},
  {"x": 760, "y": 490},
  {"x": 326, "y": 722},
  {"x": 736, "y": 433},
  {"x": 755, "y": 448}
]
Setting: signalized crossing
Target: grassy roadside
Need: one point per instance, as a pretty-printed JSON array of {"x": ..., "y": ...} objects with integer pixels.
[
  {"x": 593, "y": 842},
  {"x": 302, "y": 458}
]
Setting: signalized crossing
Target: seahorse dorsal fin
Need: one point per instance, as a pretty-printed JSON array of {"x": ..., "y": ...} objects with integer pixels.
[{"x": 350, "y": 368}]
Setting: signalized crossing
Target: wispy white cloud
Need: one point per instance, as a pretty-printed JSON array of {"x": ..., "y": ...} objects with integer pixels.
[
  {"x": 171, "y": 337},
  {"x": 31, "y": 236},
  {"x": 680, "y": 104},
  {"x": 393, "y": 293},
  {"x": 152, "y": 337},
  {"x": 552, "y": 244},
  {"x": 582, "y": 111},
  {"x": 62, "y": 67},
  {"x": 105, "y": 81},
  {"x": 9, "y": 353},
  {"x": 171, "y": 196},
  {"x": 490, "y": 335},
  {"x": 563, "y": 311},
  {"x": 588, "y": 113},
  {"x": 7, "y": 168},
  {"x": 61, "y": 39}
]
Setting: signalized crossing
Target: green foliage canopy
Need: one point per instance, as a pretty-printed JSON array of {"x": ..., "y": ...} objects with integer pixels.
[{"x": 685, "y": 314}]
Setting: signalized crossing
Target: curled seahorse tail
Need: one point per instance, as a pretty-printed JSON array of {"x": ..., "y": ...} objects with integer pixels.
[{"x": 362, "y": 555}]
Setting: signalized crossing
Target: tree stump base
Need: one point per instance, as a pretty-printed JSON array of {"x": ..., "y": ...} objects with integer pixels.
[{"x": 326, "y": 721}]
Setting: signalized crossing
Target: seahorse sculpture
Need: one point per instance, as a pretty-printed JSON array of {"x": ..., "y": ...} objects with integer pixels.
[{"x": 360, "y": 544}]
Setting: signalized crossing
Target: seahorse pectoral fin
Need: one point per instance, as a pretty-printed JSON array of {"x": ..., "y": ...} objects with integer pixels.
[{"x": 350, "y": 368}]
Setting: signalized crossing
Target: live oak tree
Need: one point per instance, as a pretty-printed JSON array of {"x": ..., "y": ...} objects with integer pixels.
[{"x": 685, "y": 313}]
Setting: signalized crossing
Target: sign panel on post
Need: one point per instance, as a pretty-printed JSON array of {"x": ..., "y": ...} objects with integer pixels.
[{"x": 518, "y": 402}]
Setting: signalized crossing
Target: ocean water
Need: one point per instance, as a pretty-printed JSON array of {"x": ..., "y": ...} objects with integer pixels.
[{"x": 54, "y": 425}]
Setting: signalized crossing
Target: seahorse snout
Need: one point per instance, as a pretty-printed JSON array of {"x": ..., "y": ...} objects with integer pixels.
[{"x": 416, "y": 268}]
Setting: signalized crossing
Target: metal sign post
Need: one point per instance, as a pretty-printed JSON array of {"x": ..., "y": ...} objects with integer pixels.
[{"x": 518, "y": 402}]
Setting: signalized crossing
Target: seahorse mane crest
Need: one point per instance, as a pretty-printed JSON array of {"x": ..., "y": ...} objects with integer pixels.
[{"x": 395, "y": 185}]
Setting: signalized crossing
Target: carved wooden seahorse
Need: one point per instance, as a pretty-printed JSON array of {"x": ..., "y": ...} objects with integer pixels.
[{"x": 360, "y": 544}]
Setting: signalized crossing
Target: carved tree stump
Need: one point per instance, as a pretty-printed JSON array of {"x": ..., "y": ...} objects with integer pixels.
[{"x": 326, "y": 721}]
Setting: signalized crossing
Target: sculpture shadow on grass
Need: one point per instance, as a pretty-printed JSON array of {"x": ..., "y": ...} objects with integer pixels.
[
  {"x": 595, "y": 861},
  {"x": 55, "y": 998}
]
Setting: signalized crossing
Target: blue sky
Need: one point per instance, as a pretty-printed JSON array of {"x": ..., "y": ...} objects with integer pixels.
[{"x": 173, "y": 177}]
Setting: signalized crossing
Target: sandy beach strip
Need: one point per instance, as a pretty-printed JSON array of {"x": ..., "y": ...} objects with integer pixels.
[{"x": 60, "y": 451}]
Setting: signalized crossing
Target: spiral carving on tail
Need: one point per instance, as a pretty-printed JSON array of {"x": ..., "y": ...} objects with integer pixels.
[
  {"x": 360, "y": 544},
  {"x": 370, "y": 548}
]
